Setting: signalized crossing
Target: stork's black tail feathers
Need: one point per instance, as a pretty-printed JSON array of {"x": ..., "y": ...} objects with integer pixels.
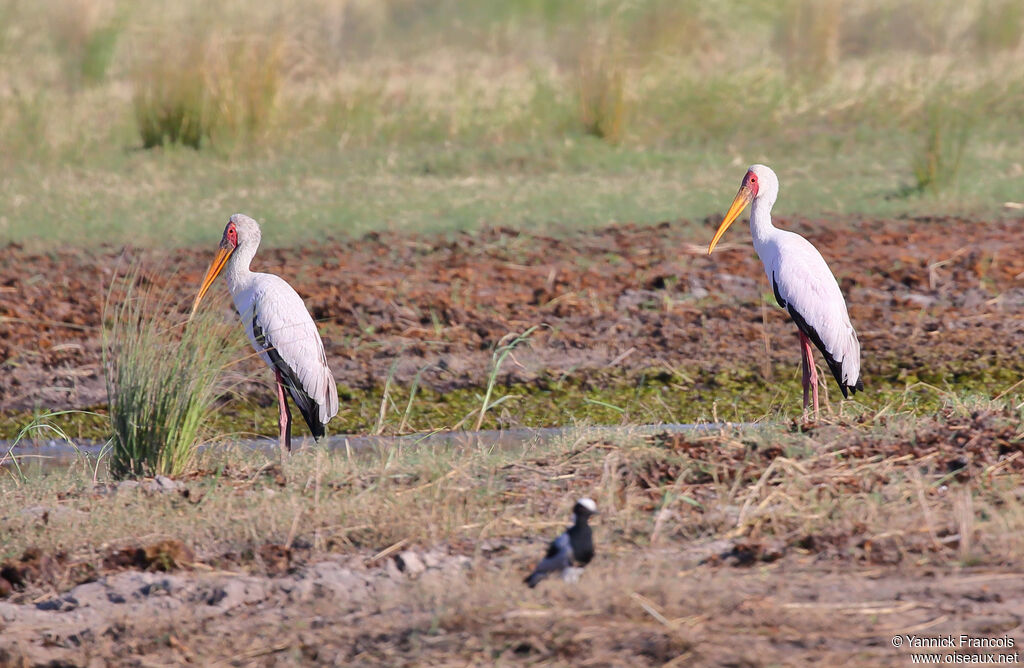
[
  {"x": 307, "y": 406},
  {"x": 311, "y": 415},
  {"x": 834, "y": 365}
]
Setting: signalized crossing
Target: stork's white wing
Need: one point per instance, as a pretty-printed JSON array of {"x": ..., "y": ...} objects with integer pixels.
[
  {"x": 282, "y": 328},
  {"x": 806, "y": 287}
]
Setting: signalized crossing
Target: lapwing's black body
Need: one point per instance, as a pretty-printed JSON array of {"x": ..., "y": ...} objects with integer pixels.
[{"x": 572, "y": 550}]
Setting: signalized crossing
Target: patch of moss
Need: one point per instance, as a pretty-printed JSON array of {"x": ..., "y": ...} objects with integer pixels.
[{"x": 737, "y": 394}]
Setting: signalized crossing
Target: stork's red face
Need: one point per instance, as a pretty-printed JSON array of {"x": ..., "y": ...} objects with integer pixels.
[
  {"x": 228, "y": 244},
  {"x": 230, "y": 238},
  {"x": 748, "y": 191},
  {"x": 750, "y": 181}
]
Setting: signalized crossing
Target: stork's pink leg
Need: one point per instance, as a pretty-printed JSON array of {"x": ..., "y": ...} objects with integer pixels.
[
  {"x": 805, "y": 374},
  {"x": 814, "y": 383},
  {"x": 810, "y": 373},
  {"x": 285, "y": 416}
]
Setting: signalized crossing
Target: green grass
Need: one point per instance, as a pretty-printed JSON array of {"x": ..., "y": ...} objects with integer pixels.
[
  {"x": 534, "y": 116},
  {"x": 163, "y": 378},
  {"x": 655, "y": 395},
  {"x": 179, "y": 198}
]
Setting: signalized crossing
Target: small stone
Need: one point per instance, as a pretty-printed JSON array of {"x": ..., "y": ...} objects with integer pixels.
[
  {"x": 919, "y": 300},
  {"x": 331, "y": 576},
  {"x": 433, "y": 559},
  {"x": 166, "y": 483},
  {"x": 410, "y": 563},
  {"x": 301, "y": 591},
  {"x": 236, "y": 592},
  {"x": 9, "y": 611},
  {"x": 90, "y": 594},
  {"x": 65, "y": 603},
  {"x": 391, "y": 569},
  {"x": 127, "y": 485}
]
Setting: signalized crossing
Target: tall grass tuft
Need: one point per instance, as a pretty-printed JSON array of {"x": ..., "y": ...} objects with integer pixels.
[
  {"x": 602, "y": 92},
  {"x": 86, "y": 37},
  {"x": 216, "y": 91},
  {"x": 945, "y": 133},
  {"x": 999, "y": 26},
  {"x": 497, "y": 358},
  {"x": 161, "y": 376},
  {"x": 807, "y": 37}
]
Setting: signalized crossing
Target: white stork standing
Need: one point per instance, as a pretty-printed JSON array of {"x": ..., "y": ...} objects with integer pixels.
[
  {"x": 803, "y": 285},
  {"x": 279, "y": 327}
]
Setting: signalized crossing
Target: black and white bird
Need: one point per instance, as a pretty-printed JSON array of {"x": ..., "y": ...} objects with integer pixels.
[
  {"x": 803, "y": 285},
  {"x": 279, "y": 328},
  {"x": 572, "y": 550}
]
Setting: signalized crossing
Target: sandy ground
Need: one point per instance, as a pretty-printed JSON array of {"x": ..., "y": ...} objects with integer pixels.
[{"x": 398, "y": 611}]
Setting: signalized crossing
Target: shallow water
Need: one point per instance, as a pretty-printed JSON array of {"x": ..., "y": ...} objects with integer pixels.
[{"x": 55, "y": 453}]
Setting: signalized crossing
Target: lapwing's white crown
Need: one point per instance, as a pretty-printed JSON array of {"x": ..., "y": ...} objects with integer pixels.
[{"x": 588, "y": 503}]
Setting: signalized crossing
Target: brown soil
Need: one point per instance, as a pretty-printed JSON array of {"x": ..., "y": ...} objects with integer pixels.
[{"x": 927, "y": 296}]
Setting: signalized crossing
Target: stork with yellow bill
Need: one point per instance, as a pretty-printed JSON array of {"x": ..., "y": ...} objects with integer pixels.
[
  {"x": 279, "y": 328},
  {"x": 803, "y": 285}
]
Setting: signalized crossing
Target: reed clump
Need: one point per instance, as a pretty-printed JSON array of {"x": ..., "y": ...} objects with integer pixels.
[
  {"x": 161, "y": 375},
  {"x": 217, "y": 92}
]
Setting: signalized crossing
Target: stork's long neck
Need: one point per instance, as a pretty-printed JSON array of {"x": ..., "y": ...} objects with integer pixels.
[
  {"x": 761, "y": 228},
  {"x": 237, "y": 271}
]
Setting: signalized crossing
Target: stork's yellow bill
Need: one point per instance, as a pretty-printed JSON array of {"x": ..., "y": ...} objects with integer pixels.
[{"x": 746, "y": 194}]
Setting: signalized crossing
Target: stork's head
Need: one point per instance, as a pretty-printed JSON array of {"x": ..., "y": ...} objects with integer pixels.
[
  {"x": 241, "y": 231},
  {"x": 244, "y": 230},
  {"x": 759, "y": 184},
  {"x": 584, "y": 508}
]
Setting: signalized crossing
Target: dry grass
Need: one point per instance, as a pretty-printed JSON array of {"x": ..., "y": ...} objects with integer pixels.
[
  {"x": 85, "y": 34},
  {"x": 808, "y": 37},
  {"x": 221, "y": 74},
  {"x": 945, "y": 133},
  {"x": 856, "y": 491},
  {"x": 217, "y": 89},
  {"x": 839, "y": 521},
  {"x": 424, "y": 115},
  {"x": 602, "y": 90}
]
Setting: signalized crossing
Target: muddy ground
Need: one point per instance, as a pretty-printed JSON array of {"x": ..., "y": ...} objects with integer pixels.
[{"x": 934, "y": 300}]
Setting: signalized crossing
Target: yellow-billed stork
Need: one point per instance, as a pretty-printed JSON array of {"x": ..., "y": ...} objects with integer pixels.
[
  {"x": 279, "y": 327},
  {"x": 803, "y": 285}
]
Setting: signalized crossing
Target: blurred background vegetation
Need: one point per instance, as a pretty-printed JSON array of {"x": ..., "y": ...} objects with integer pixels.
[{"x": 151, "y": 122}]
